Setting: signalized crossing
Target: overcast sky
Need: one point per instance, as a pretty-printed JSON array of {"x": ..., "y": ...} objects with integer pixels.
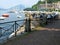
[{"x": 10, "y": 3}]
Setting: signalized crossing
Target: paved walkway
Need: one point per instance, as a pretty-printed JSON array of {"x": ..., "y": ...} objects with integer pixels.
[{"x": 46, "y": 36}]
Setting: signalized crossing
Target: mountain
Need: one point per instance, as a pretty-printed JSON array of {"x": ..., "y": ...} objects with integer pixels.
[
  {"x": 12, "y": 9},
  {"x": 3, "y": 9},
  {"x": 18, "y": 7}
]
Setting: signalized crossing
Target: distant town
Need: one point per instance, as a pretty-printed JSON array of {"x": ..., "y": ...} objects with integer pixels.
[{"x": 48, "y": 5}]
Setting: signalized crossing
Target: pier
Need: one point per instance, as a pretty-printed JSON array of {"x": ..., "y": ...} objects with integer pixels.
[{"x": 41, "y": 36}]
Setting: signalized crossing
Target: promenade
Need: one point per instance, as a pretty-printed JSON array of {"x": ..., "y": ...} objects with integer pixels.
[{"x": 48, "y": 35}]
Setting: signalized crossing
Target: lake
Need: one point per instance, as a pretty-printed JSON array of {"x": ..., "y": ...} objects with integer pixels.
[{"x": 12, "y": 17}]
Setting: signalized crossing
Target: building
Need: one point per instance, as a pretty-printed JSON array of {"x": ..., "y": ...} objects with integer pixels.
[
  {"x": 48, "y": 6},
  {"x": 44, "y": 7},
  {"x": 57, "y": 5}
]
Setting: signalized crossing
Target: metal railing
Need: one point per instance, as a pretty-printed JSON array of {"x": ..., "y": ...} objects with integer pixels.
[{"x": 14, "y": 25}]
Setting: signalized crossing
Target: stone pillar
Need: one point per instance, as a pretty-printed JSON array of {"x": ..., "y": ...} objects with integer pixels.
[{"x": 27, "y": 25}]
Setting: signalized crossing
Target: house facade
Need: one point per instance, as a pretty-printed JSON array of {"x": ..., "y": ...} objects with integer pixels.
[{"x": 55, "y": 6}]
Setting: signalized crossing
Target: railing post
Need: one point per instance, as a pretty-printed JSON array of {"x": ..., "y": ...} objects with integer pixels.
[
  {"x": 15, "y": 29},
  {"x": 27, "y": 25},
  {"x": 0, "y": 31}
]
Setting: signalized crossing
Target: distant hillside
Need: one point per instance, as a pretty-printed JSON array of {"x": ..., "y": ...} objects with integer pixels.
[
  {"x": 40, "y": 2},
  {"x": 11, "y": 10},
  {"x": 18, "y": 7},
  {"x": 2, "y": 9},
  {"x": 35, "y": 5}
]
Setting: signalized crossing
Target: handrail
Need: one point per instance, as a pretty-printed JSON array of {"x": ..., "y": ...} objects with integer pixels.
[
  {"x": 15, "y": 25},
  {"x": 12, "y": 21}
]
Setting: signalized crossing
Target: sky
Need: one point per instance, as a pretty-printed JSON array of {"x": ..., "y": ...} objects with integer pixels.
[{"x": 10, "y": 3}]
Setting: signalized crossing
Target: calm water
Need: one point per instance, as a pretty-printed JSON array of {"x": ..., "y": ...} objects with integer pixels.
[{"x": 12, "y": 17}]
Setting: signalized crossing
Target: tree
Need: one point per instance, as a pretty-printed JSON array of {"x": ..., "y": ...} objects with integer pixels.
[
  {"x": 29, "y": 9},
  {"x": 51, "y": 1},
  {"x": 35, "y": 6}
]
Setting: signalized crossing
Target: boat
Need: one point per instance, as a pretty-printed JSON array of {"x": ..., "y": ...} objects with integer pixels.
[
  {"x": 2, "y": 18},
  {"x": 12, "y": 11},
  {"x": 18, "y": 16},
  {"x": 5, "y": 15}
]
